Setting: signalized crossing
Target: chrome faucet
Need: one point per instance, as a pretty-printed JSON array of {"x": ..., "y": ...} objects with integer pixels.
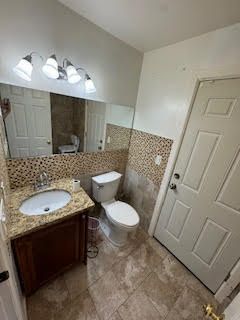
[{"x": 42, "y": 181}]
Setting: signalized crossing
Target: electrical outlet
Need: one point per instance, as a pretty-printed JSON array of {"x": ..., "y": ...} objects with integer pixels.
[{"x": 158, "y": 160}]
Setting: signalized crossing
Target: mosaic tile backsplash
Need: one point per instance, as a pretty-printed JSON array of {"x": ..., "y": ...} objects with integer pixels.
[
  {"x": 143, "y": 177},
  {"x": 24, "y": 171},
  {"x": 144, "y": 148},
  {"x": 119, "y": 137}
]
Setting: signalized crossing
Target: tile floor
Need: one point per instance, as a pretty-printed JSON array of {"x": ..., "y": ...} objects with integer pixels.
[{"x": 139, "y": 281}]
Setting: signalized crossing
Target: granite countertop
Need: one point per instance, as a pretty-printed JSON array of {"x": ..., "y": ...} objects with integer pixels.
[{"x": 19, "y": 224}]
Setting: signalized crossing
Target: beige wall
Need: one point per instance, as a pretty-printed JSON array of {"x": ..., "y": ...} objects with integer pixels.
[
  {"x": 47, "y": 26},
  {"x": 165, "y": 90}
]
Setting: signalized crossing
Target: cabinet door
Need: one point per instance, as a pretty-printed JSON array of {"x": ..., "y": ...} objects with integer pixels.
[
  {"x": 55, "y": 249},
  {"x": 83, "y": 237},
  {"x": 44, "y": 254}
]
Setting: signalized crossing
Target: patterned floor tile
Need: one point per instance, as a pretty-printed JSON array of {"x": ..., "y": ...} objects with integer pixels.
[
  {"x": 136, "y": 267},
  {"x": 162, "y": 295},
  {"x": 139, "y": 281},
  {"x": 48, "y": 300},
  {"x": 105, "y": 259},
  {"x": 171, "y": 270},
  {"x": 188, "y": 307},
  {"x": 79, "y": 278},
  {"x": 115, "y": 316},
  {"x": 81, "y": 308},
  {"x": 108, "y": 295},
  {"x": 138, "y": 306}
]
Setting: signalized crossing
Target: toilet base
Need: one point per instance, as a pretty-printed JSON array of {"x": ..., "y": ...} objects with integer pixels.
[{"x": 116, "y": 236}]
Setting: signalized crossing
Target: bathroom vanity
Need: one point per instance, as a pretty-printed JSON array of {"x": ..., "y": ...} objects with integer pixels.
[{"x": 46, "y": 245}]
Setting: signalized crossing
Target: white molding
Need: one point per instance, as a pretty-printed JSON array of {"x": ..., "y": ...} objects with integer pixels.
[
  {"x": 196, "y": 75},
  {"x": 85, "y": 127},
  {"x": 232, "y": 312},
  {"x": 228, "y": 286}
]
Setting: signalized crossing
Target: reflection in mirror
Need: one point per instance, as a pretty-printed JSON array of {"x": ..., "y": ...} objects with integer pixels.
[{"x": 42, "y": 123}]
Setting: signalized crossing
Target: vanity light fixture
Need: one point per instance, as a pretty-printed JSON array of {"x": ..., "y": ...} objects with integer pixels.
[
  {"x": 50, "y": 69},
  {"x": 72, "y": 75},
  {"x": 53, "y": 70},
  {"x": 89, "y": 85},
  {"x": 24, "y": 68}
]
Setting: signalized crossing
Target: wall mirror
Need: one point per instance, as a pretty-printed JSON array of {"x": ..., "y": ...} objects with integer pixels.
[{"x": 41, "y": 123}]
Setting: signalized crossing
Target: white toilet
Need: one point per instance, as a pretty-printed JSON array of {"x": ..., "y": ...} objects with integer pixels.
[
  {"x": 71, "y": 148},
  {"x": 120, "y": 218}
]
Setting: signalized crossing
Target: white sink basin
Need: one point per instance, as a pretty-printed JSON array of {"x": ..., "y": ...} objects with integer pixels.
[{"x": 45, "y": 202}]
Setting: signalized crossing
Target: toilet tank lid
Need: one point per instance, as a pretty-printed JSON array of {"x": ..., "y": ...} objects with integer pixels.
[{"x": 107, "y": 177}]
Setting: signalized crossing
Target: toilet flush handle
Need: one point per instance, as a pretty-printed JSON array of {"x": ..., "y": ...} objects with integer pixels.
[{"x": 100, "y": 186}]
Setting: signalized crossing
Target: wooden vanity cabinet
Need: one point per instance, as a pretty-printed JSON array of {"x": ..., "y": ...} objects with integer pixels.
[{"x": 44, "y": 254}]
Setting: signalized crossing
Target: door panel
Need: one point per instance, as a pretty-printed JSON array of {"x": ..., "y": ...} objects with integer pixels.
[
  {"x": 207, "y": 251},
  {"x": 28, "y": 125},
  {"x": 95, "y": 126},
  {"x": 219, "y": 107},
  {"x": 178, "y": 218},
  {"x": 200, "y": 220},
  {"x": 201, "y": 156},
  {"x": 229, "y": 194}
]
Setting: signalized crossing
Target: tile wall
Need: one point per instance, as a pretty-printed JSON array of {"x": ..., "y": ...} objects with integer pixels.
[
  {"x": 25, "y": 171},
  {"x": 117, "y": 137},
  {"x": 143, "y": 177}
]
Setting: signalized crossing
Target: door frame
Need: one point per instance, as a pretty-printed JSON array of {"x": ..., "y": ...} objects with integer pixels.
[
  {"x": 19, "y": 301},
  {"x": 195, "y": 77},
  {"x": 232, "y": 312},
  {"x": 85, "y": 127}
]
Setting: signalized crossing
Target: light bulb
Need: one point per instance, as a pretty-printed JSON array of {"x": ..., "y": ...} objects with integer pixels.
[
  {"x": 24, "y": 68},
  {"x": 72, "y": 75},
  {"x": 50, "y": 69},
  {"x": 89, "y": 85}
]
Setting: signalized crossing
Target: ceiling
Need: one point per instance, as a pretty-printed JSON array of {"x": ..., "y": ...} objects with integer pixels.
[{"x": 151, "y": 24}]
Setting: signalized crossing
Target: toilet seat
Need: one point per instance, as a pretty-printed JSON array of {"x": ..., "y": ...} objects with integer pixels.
[{"x": 122, "y": 214}]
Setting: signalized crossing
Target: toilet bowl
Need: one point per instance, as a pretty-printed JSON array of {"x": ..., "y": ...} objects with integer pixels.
[{"x": 118, "y": 218}]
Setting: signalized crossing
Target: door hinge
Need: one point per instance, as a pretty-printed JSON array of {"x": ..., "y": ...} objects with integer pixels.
[
  {"x": 4, "y": 276},
  {"x": 227, "y": 277}
]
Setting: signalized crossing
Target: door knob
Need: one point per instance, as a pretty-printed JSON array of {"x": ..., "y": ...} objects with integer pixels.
[
  {"x": 173, "y": 186},
  {"x": 48, "y": 142},
  {"x": 4, "y": 276},
  {"x": 209, "y": 312}
]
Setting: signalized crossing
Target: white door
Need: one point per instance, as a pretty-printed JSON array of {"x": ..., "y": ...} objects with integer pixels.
[
  {"x": 95, "y": 126},
  {"x": 7, "y": 309},
  {"x": 10, "y": 305},
  {"x": 200, "y": 219},
  {"x": 28, "y": 125}
]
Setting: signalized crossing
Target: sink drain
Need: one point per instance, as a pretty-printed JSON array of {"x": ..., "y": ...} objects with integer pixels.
[{"x": 46, "y": 209}]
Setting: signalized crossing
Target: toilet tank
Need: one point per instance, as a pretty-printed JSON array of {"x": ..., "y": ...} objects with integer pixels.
[{"x": 105, "y": 186}]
